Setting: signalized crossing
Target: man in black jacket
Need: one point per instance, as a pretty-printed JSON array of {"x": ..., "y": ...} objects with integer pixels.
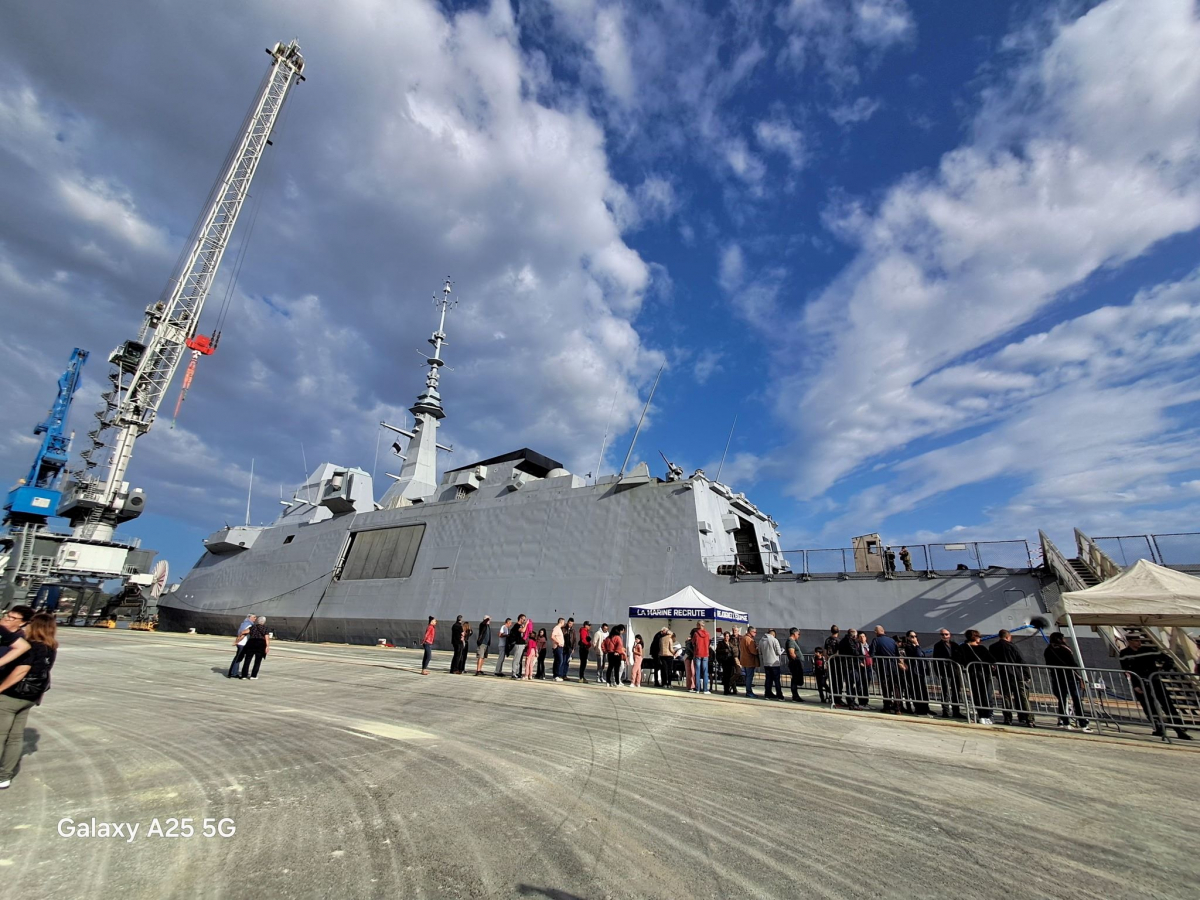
[
  {"x": 1013, "y": 676},
  {"x": 1145, "y": 662},
  {"x": 947, "y": 651},
  {"x": 851, "y": 666}
]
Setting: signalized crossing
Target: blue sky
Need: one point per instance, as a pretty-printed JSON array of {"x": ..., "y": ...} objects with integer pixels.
[{"x": 939, "y": 258}]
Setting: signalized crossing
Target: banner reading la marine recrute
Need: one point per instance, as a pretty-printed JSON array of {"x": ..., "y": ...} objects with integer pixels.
[{"x": 684, "y": 612}]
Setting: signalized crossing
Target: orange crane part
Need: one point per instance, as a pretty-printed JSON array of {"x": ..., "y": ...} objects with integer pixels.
[{"x": 200, "y": 345}]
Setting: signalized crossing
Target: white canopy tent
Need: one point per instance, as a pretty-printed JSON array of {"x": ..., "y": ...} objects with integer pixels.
[
  {"x": 1144, "y": 594},
  {"x": 688, "y": 603}
]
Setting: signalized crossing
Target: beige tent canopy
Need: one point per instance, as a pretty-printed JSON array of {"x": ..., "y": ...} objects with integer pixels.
[{"x": 1144, "y": 594}]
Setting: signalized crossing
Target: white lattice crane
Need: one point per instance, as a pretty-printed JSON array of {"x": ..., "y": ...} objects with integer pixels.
[{"x": 98, "y": 498}]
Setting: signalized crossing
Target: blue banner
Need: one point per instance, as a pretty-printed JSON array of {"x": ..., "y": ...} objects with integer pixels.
[{"x": 686, "y": 612}]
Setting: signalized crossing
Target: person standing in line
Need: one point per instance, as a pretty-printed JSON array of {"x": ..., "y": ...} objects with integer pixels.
[
  {"x": 526, "y": 635},
  {"x": 701, "y": 644},
  {"x": 726, "y": 655},
  {"x": 22, "y": 685},
  {"x": 531, "y": 653},
  {"x": 978, "y": 660},
  {"x": 821, "y": 674},
  {"x": 13, "y": 644},
  {"x": 258, "y": 644},
  {"x": 456, "y": 644},
  {"x": 615, "y": 656},
  {"x": 503, "y": 646},
  {"x": 239, "y": 643},
  {"x": 466, "y": 648},
  {"x": 885, "y": 654},
  {"x": 655, "y": 652},
  {"x": 847, "y": 663},
  {"x": 864, "y": 671},
  {"x": 891, "y": 559},
  {"x": 794, "y": 657},
  {"x": 426, "y": 643},
  {"x": 1013, "y": 675},
  {"x": 483, "y": 640},
  {"x": 558, "y": 641},
  {"x": 1146, "y": 662},
  {"x": 569, "y": 641},
  {"x": 542, "y": 646},
  {"x": 598, "y": 643},
  {"x": 516, "y": 646},
  {"x": 1065, "y": 680},
  {"x": 585, "y": 649},
  {"x": 664, "y": 657},
  {"x": 689, "y": 666},
  {"x": 831, "y": 665},
  {"x": 914, "y": 669},
  {"x": 770, "y": 655},
  {"x": 947, "y": 652},
  {"x": 748, "y": 659},
  {"x": 906, "y": 559},
  {"x": 639, "y": 650}
]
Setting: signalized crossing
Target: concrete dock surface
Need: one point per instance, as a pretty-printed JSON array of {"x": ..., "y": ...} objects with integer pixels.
[{"x": 342, "y": 772}]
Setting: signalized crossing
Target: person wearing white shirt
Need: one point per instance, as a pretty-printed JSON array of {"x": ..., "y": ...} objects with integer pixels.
[
  {"x": 240, "y": 643},
  {"x": 502, "y": 646},
  {"x": 597, "y": 642}
]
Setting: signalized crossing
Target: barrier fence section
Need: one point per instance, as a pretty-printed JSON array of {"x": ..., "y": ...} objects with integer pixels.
[
  {"x": 1176, "y": 699},
  {"x": 971, "y": 556},
  {"x": 920, "y": 686},
  {"x": 1111, "y": 698}
]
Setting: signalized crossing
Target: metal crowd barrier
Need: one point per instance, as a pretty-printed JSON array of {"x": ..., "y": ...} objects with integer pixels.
[
  {"x": 1109, "y": 698},
  {"x": 922, "y": 686},
  {"x": 1175, "y": 698}
]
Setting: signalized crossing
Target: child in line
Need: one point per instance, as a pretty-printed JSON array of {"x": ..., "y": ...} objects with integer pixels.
[
  {"x": 541, "y": 651},
  {"x": 635, "y": 676},
  {"x": 821, "y": 673}
]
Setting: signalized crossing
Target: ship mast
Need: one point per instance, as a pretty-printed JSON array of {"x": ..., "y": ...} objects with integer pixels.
[{"x": 418, "y": 476}]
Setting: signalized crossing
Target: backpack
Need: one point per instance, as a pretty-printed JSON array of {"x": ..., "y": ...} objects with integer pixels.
[{"x": 36, "y": 681}]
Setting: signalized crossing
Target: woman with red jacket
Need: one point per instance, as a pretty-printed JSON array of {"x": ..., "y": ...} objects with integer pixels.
[
  {"x": 615, "y": 655},
  {"x": 427, "y": 643}
]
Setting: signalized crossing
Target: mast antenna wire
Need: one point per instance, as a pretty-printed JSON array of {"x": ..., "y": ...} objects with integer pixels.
[
  {"x": 642, "y": 419},
  {"x": 727, "y": 440},
  {"x": 607, "y": 425}
]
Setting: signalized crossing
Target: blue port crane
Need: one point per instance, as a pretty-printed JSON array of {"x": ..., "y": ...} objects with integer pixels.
[{"x": 36, "y": 496}]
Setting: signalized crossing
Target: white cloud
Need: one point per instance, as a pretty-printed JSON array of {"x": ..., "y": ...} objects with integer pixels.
[
  {"x": 852, "y": 113},
  {"x": 835, "y": 33},
  {"x": 952, "y": 261},
  {"x": 707, "y": 364},
  {"x": 781, "y": 136},
  {"x": 732, "y": 268},
  {"x": 440, "y": 157}
]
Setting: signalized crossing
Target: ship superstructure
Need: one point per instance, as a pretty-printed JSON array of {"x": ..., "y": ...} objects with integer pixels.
[{"x": 519, "y": 533}]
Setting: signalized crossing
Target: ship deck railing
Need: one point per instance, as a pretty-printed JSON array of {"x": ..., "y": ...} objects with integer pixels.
[{"x": 966, "y": 558}]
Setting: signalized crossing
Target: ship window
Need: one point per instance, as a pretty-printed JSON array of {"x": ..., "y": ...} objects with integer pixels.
[
  {"x": 289, "y": 538},
  {"x": 382, "y": 553}
]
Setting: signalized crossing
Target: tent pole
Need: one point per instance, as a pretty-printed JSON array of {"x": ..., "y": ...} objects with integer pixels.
[{"x": 1087, "y": 682}]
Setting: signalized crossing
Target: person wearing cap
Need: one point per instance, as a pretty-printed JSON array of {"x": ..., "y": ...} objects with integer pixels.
[{"x": 1145, "y": 662}]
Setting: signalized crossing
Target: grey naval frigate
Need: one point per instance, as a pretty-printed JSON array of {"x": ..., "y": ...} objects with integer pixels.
[{"x": 518, "y": 533}]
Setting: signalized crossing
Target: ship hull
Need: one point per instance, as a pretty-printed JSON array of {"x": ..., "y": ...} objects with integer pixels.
[{"x": 559, "y": 550}]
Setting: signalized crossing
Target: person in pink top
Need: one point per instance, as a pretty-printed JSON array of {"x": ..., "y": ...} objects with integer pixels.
[
  {"x": 639, "y": 650},
  {"x": 427, "y": 643},
  {"x": 531, "y": 652}
]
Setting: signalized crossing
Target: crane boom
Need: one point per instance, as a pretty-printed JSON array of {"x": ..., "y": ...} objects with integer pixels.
[
  {"x": 97, "y": 497},
  {"x": 37, "y": 494}
]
